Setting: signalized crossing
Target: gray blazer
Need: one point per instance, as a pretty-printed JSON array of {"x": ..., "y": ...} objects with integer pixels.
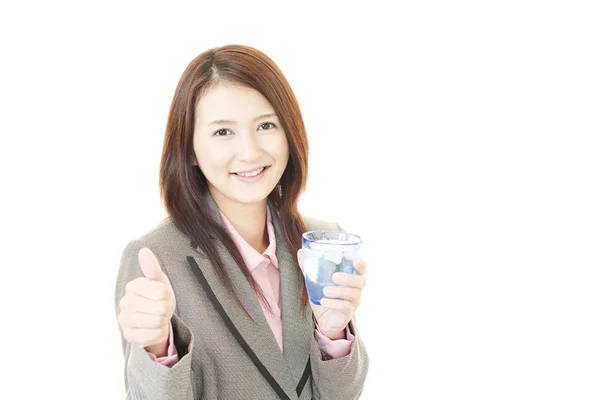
[{"x": 223, "y": 354}]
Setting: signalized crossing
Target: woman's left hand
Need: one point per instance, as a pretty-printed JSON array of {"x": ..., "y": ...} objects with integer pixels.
[{"x": 341, "y": 301}]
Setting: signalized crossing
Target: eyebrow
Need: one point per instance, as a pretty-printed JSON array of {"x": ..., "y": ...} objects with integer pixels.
[{"x": 227, "y": 121}]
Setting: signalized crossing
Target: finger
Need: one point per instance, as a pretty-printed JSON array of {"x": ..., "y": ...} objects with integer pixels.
[
  {"x": 145, "y": 337},
  {"x": 151, "y": 267},
  {"x": 143, "y": 321},
  {"x": 353, "y": 295},
  {"x": 137, "y": 304},
  {"x": 349, "y": 280},
  {"x": 144, "y": 287},
  {"x": 360, "y": 266},
  {"x": 300, "y": 260},
  {"x": 343, "y": 306},
  {"x": 341, "y": 292}
]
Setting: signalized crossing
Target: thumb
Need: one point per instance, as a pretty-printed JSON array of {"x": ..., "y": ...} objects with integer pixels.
[
  {"x": 300, "y": 260},
  {"x": 151, "y": 267}
]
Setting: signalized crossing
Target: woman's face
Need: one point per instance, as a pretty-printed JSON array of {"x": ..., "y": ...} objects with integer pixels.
[{"x": 239, "y": 144}]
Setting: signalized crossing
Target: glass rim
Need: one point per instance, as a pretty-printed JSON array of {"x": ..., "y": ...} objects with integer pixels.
[{"x": 357, "y": 239}]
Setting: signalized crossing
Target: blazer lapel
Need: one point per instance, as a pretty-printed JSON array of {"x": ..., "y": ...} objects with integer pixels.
[
  {"x": 298, "y": 328},
  {"x": 254, "y": 336}
]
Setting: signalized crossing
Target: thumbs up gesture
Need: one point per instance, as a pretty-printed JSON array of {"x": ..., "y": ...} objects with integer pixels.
[{"x": 147, "y": 306}]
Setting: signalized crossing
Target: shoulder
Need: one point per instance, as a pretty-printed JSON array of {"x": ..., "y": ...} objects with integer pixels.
[
  {"x": 169, "y": 245},
  {"x": 314, "y": 224},
  {"x": 164, "y": 232},
  {"x": 164, "y": 239}
]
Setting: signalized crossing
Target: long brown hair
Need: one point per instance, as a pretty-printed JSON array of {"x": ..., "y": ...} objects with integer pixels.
[{"x": 182, "y": 184}]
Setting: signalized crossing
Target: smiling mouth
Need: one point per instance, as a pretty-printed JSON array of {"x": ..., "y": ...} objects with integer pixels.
[{"x": 250, "y": 174}]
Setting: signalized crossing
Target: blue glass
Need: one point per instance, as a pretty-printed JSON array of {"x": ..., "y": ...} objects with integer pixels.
[{"x": 325, "y": 253}]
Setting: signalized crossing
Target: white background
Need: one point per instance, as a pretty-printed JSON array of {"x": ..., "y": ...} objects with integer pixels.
[{"x": 459, "y": 139}]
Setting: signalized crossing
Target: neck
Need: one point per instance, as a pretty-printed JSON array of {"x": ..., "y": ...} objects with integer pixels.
[{"x": 249, "y": 220}]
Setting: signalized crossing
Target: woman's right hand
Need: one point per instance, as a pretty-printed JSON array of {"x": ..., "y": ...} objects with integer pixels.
[{"x": 147, "y": 306}]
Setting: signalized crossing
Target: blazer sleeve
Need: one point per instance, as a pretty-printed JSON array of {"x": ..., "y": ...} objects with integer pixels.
[
  {"x": 340, "y": 378},
  {"x": 145, "y": 378}
]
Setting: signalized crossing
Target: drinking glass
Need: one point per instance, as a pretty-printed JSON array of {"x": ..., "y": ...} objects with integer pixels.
[{"x": 324, "y": 253}]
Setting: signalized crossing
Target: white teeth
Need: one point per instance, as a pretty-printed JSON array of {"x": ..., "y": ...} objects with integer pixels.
[{"x": 253, "y": 173}]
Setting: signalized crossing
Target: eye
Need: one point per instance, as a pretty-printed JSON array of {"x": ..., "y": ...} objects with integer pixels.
[
  {"x": 268, "y": 123},
  {"x": 222, "y": 132}
]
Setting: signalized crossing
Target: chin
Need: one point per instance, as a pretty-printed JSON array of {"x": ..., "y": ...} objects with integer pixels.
[
  {"x": 246, "y": 199},
  {"x": 250, "y": 194},
  {"x": 247, "y": 195}
]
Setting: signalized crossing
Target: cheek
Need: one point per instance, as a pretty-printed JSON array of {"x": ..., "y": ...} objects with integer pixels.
[
  {"x": 197, "y": 148},
  {"x": 285, "y": 155},
  {"x": 211, "y": 158},
  {"x": 280, "y": 149}
]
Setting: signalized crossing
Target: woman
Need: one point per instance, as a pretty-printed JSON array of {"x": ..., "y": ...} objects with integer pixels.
[{"x": 211, "y": 303}]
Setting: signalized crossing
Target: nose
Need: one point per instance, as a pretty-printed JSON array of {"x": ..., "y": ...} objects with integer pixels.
[{"x": 249, "y": 149}]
